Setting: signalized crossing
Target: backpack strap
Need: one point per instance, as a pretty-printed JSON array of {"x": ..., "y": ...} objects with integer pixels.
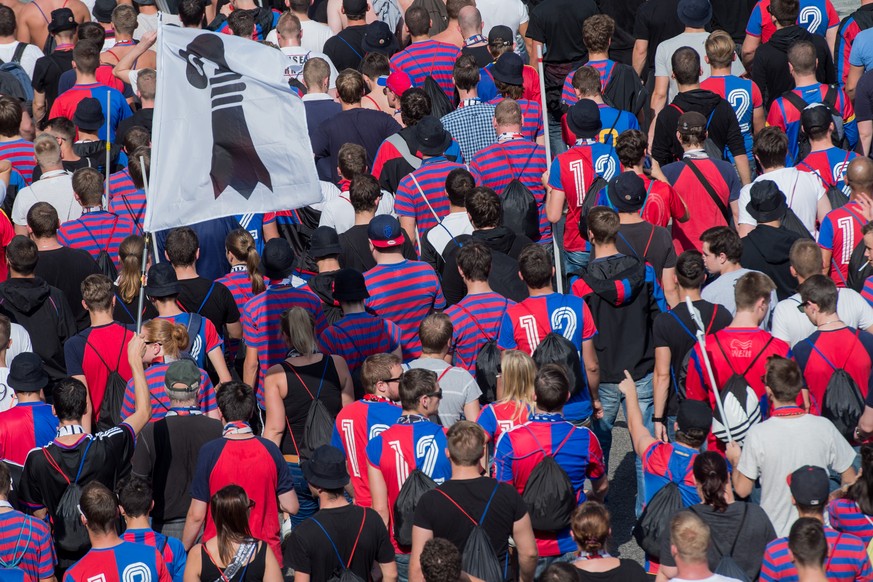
[
  {"x": 205, "y": 299},
  {"x": 646, "y": 201},
  {"x": 426, "y": 201},
  {"x": 726, "y": 358},
  {"x": 82, "y": 462},
  {"x": 833, "y": 551},
  {"x": 740, "y": 529},
  {"x": 353, "y": 50},
  {"x": 443, "y": 373},
  {"x": 755, "y": 359},
  {"x": 54, "y": 464},
  {"x": 13, "y": 563},
  {"x": 611, "y": 129},
  {"x": 796, "y": 100},
  {"x": 818, "y": 174},
  {"x": 709, "y": 189},
  {"x": 19, "y": 52},
  {"x": 345, "y": 565},
  {"x": 289, "y": 367},
  {"x": 488, "y": 505},
  {"x": 192, "y": 317},
  {"x": 461, "y": 509},
  {"x": 682, "y": 325}
]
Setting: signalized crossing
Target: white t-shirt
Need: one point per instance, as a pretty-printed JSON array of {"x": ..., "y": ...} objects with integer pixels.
[
  {"x": 802, "y": 191},
  {"x": 779, "y": 446},
  {"x": 56, "y": 188},
  {"x": 511, "y": 13},
  {"x": 792, "y": 326},
  {"x": 695, "y": 40},
  {"x": 315, "y": 34},
  {"x": 298, "y": 57},
  {"x": 7, "y": 394},
  {"x": 337, "y": 211},
  {"x": 453, "y": 225},
  {"x": 28, "y": 58},
  {"x": 20, "y": 343},
  {"x": 148, "y": 22}
]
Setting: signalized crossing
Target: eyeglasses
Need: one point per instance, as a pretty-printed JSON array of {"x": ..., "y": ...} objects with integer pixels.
[
  {"x": 389, "y": 380},
  {"x": 437, "y": 394},
  {"x": 802, "y": 307}
]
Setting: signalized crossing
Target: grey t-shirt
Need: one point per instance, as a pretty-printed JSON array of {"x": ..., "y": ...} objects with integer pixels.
[
  {"x": 695, "y": 40},
  {"x": 721, "y": 291},
  {"x": 458, "y": 387}
]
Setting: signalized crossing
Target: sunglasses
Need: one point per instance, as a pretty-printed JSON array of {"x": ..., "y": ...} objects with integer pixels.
[
  {"x": 802, "y": 307},
  {"x": 397, "y": 379},
  {"x": 437, "y": 394}
]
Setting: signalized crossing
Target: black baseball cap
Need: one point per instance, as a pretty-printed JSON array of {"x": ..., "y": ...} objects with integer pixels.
[
  {"x": 694, "y": 414},
  {"x": 809, "y": 486},
  {"x": 627, "y": 192},
  {"x": 815, "y": 116},
  {"x": 501, "y": 36}
]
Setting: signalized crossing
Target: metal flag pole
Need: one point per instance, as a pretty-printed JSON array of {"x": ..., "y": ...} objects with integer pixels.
[
  {"x": 108, "y": 118},
  {"x": 555, "y": 249},
  {"x": 145, "y": 251},
  {"x": 701, "y": 341}
]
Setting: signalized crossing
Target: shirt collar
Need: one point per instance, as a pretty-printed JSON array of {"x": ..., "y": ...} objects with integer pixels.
[
  {"x": 468, "y": 102},
  {"x": 509, "y": 136},
  {"x": 412, "y": 418},
  {"x": 475, "y": 39},
  {"x": 317, "y": 97},
  {"x": 546, "y": 416},
  {"x": 434, "y": 160},
  {"x": 92, "y": 210}
]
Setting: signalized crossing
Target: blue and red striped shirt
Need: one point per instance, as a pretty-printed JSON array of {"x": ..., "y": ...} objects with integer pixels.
[
  {"x": 845, "y": 516},
  {"x": 412, "y": 443},
  {"x": 830, "y": 166},
  {"x": 848, "y": 31},
  {"x": 670, "y": 462},
  {"x": 476, "y": 320},
  {"x": 125, "y": 199},
  {"x": 431, "y": 177},
  {"x": 204, "y": 339},
  {"x": 356, "y": 425},
  {"x": 605, "y": 68},
  {"x": 261, "y": 319},
  {"x": 66, "y": 103},
  {"x": 816, "y": 16},
  {"x": 121, "y": 563},
  {"x": 526, "y": 161},
  {"x": 500, "y": 417},
  {"x": 428, "y": 57},
  {"x": 867, "y": 290},
  {"x": 744, "y": 97},
  {"x": 26, "y": 543},
  {"x": 575, "y": 449},
  {"x": 26, "y": 426},
  {"x": 155, "y": 375},
  {"x": 239, "y": 284},
  {"x": 171, "y": 549},
  {"x": 406, "y": 293},
  {"x": 97, "y": 231},
  {"x": 847, "y": 559},
  {"x": 840, "y": 232},
  {"x": 531, "y": 117},
  {"x": 20, "y": 154},
  {"x": 359, "y": 335}
]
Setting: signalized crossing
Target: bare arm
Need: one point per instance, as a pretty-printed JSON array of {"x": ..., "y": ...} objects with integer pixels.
[
  {"x": 865, "y": 133},
  {"x": 193, "y": 566},
  {"x": 848, "y": 476},
  {"x": 742, "y": 485},
  {"x": 668, "y": 282},
  {"x": 289, "y": 503},
  {"x": 526, "y": 548},
  {"x": 216, "y": 356},
  {"x": 89, "y": 406},
  {"x": 407, "y": 223},
  {"x": 822, "y": 208},
  {"x": 345, "y": 378},
  {"x": 528, "y": 42},
  {"x": 275, "y": 389},
  {"x": 831, "y": 36},
  {"x": 142, "y": 412},
  {"x": 659, "y": 101},
  {"x": 742, "y": 163},
  {"x": 592, "y": 371},
  {"x": 234, "y": 330},
  {"x": 750, "y": 46},
  {"x": 471, "y": 410},
  {"x": 555, "y": 200},
  {"x": 661, "y": 389},
  {"x": 420, "y": 536},
  {"x": 250, "y": 366},
  {"x": 271, "y": 231},
  {"x": 378, "y": 492},
  {"x": 865, "y": 423},
  {"x": 641, "y": 51},
  {"x": 272, "y": 571},
  {"x": 193, "y": 522},
  {"x": 640, "y": 435},
  {"x": 389, "y": 571},
  {"x": 599, "y": 488},
  {"x": 855, "y": 74},
  {"x": 125, "y": 63},
  {"x": 826, "y": 256},
  {"x": 759, "y": 121},
  {"x": 38, "y": 106}
]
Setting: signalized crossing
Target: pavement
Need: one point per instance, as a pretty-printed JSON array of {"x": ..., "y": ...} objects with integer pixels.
[{"x": 622, "y": 494}]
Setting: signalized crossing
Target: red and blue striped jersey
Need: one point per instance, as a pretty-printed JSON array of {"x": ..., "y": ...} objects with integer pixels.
[
  {"x": 20, "y": 154},
  {"x": 24, "y": 427},
  {"x": 256, "y": 465},
  {"x": 605, "y": 68},
  {"x": 744, "y": 97},
  {"x": 171, "y": 549},
  {"x": 845, "y": 516},
  {"x": 239, "y": 284},
  {"x": 816, "y": 16},
  {"x": 412, "y": 443},
  {"x": 613, "y": 123},
  {"x": 824, "y": 350},
  {"x": 160, "y": 401},
  {"x": 847, "y": 559},
  {"x": 125, "y": 199},
  {"x": 662, "y": 203},
  {"x": 261, "y": 319},
  {"x": 356, "y": 425},
  {"x": 500, "y": 417},
  {"x": 121, "y": 563},
  {"x": 406, "y": 293},
  {"x": 431, "y": 177},
  {"x": 428, "y": 57},
  {"x": 846, "y": 34},
  {"x": 26, "y": 543},
  {"x": 66, "y": 103},
  {"x": 670, "y": 462},
  {"x": 867, "y": 290},
  {"x": 526, "y": 161},
  {"x": 840, "y": 232},
  {"x": 575, "y": 449},
  {"x": 531, "y": 117},
  {"x": 97, "y": 231},
  {"x": 357, "y": 336},
  {"x": 205, "y": 340},
  {"x": 476, "y": 320},
  {"x": 783, "y": 114},
  {"x": 830, "y": 166}
]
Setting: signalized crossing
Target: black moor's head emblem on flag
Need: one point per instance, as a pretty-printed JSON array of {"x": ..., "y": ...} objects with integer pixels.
[{"x": 235, "y": 161}]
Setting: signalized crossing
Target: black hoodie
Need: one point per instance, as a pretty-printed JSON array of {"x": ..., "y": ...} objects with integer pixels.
[
  {"x": 766, "y": 249},
  {"x": 505, "y": 247},
  {"x": 44, "y": 312},
  {"x": 322, "y": 285},
  {"x": 624, "y": 298},
  {"x": 723, "y": 127},
  {"x": 770, "y": 67}
]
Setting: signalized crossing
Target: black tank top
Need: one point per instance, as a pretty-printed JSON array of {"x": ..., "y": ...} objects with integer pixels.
[
  {"x": 300, "y": 395},
  {"x": 253, "y": 572}
]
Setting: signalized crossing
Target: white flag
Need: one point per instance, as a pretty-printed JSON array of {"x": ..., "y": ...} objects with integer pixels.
[{"x": 230, "y": 136}]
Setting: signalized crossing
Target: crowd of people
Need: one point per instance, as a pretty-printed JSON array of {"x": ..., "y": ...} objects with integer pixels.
[{"x": 669, "y": 214}]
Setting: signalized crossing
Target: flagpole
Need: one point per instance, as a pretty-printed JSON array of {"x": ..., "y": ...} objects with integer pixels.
[
  {"x": 108, "y": 116},
  {"x": 145, "y": 252},
  {"x": 548, "y": 145}
]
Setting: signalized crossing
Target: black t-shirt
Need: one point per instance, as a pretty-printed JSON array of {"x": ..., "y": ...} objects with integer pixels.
[
  {"x": 647, "y": 242},
  {"x": 141, "y": 118},
  {"x": 445, "y": 520},
  {"x": 668, "y": 333},
  {"x": 344, "y": 49},
  {"x": 309, "y": 551},
  {"x": 656, "y": 21},
  {"x": 356, "y": 249},
  {"x": 749, "y": 537},
  {"x": 210, "y": 299},
  {"x": 66, "y": 268},
  {"x": 47, "y": 74},
  {"x": 298, "y": 400},
  {"x": 125, "y": 312},
  {"x": 171, "y": 471},
  {"x": 480, "y": 53},
  {"x": 556, "y": 23},
  {"x": 627, "y": 571},
  {"x": 732, "y": 17}
]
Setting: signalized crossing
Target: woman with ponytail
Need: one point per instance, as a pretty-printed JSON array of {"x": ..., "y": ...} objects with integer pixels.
[
  {"x": 590, "y": 527},
  {"x": 853, "y": 514},
  {"x": 244, "y": 280},
  {"x": 129, "y": 282},
  {"x": 740, "y": 530}
]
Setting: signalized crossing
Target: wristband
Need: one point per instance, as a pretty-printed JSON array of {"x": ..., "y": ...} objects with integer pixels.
[{"x": 661, "y": 419}]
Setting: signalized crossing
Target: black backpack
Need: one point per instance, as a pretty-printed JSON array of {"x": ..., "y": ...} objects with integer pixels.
[
  {"x": 417, "y": 484},
  {"x": 298, "y": 234},
  {"x": 15, "y": 472},
  {"x": 113, "y": 394},
  {"x": 625, "y": 90},
  {"x": 479, "y": 558},
  {"x": 842, "y": 403},
  {"x": 740, "y": 403},
  {"x": 838, "y": 137},
  {"x": 487, "y": 359},
  {"x": 318, "y": 429},
  {"x": 859, "y": 268},
  {"x": 548, "y": 492},
  {"x": 104, "y": 259},
  {"x": 589, "y": 202},
  {"x": 836, "y": 197},
  {"x": 556, "y": 349},
  {"x": 790, "y": 221},
  {"x": 727, "y": 566},
  {"x": 654, "y": 521},
  {"x": 69, "y": 533},
  {"x": 344, "y": 574},
  {"x": 520, "y": 212}
]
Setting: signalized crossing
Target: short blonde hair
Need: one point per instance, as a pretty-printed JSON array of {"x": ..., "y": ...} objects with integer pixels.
[
  {"x": 720, "y": 49},
  {"x": 690, "y": 536}
]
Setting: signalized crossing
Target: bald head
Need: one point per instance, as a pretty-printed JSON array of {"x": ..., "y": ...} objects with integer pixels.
[
  {"x": 859, "y": 175},
  {"x": 470, "y": 21}
]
